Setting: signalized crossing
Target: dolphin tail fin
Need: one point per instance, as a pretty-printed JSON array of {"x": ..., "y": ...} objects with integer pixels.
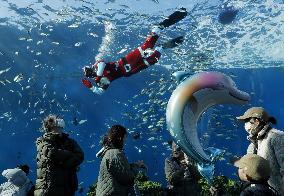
[
  {"x": 181, "y": 75},
  {"x": 215, "y": 153},
  {"x": 207, "y": 170}
]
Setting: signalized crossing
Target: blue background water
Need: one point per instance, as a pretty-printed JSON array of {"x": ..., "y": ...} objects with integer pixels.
[{"x": 50, "y": 43}]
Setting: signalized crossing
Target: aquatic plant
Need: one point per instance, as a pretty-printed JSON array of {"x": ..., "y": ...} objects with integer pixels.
[
  {"x": 146, "y": 187},
  {"x": 141, "y": 177},
  {"x": 141, "y": 181},
  {"x": 92, "y": 190},
  {"x": 221, "y": 185}
]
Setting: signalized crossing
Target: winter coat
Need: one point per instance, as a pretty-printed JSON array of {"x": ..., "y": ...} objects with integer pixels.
[
  {"x": 58, "y": 158},
  {"x": 18, "y": 183},
  {"x": 256, "y": 189},
  {"x": 116, "y": 175},
  {"x": 183, "y": 181},
  {"x": 270, "y": 145}
]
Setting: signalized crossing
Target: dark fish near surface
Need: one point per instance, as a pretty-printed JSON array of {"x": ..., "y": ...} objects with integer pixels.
[{"x": 228, "y": 15}]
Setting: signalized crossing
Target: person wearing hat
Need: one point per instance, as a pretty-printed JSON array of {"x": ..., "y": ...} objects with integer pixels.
[
  {"x": 254, "y": 171},
  {"x": 58, "y": 159},
  {"x": 181, "y": 173},
  {"x": 266, "y": 142}
]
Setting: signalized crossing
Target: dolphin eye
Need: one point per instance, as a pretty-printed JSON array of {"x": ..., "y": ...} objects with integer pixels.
[{"x": 219, "y": 86}]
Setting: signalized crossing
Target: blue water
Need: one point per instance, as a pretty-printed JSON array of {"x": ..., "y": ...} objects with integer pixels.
[{"x": 41, "y": 41}]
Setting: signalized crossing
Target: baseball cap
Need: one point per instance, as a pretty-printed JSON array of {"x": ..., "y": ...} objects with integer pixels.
[
  {"x": 255, "y": 112},
  {"x": 254, "y": 166}
]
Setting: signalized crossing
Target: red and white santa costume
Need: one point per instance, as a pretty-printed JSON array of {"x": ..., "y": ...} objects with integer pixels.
[{"x": 133, "y": 62}]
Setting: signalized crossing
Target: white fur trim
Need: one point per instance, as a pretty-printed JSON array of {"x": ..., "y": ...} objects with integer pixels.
[
  {"x": 146, "y": 62},
  {"x": 156, "y": 30},
  {"x": 159, "y": 49},
  {"x": 101, "y": 67},
  {"x": 141, "y": 51},
  {"x": 104, "y": 81}
]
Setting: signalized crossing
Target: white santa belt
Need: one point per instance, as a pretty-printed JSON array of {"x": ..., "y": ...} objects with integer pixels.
[{"x": 142, "y": 55}]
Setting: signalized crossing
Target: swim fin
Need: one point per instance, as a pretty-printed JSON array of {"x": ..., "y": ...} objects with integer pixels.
[
  {"x": 173, "y": 42},
  {"x": 174, "y": 18}
]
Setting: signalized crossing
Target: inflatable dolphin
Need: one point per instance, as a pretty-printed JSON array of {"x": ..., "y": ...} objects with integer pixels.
[{"x": 193, "y": 96}]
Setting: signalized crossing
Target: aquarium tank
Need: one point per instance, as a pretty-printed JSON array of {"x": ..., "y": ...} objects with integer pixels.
[{"x": 44, "y": 46}]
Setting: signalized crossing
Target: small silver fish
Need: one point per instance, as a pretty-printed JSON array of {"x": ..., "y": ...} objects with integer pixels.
[
  {"x": 19, "y": 77},
  {"x": 4, "y": 70}
]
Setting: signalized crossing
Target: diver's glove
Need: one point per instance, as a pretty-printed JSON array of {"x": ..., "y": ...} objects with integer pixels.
[{"x": 97, "y": 90}]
